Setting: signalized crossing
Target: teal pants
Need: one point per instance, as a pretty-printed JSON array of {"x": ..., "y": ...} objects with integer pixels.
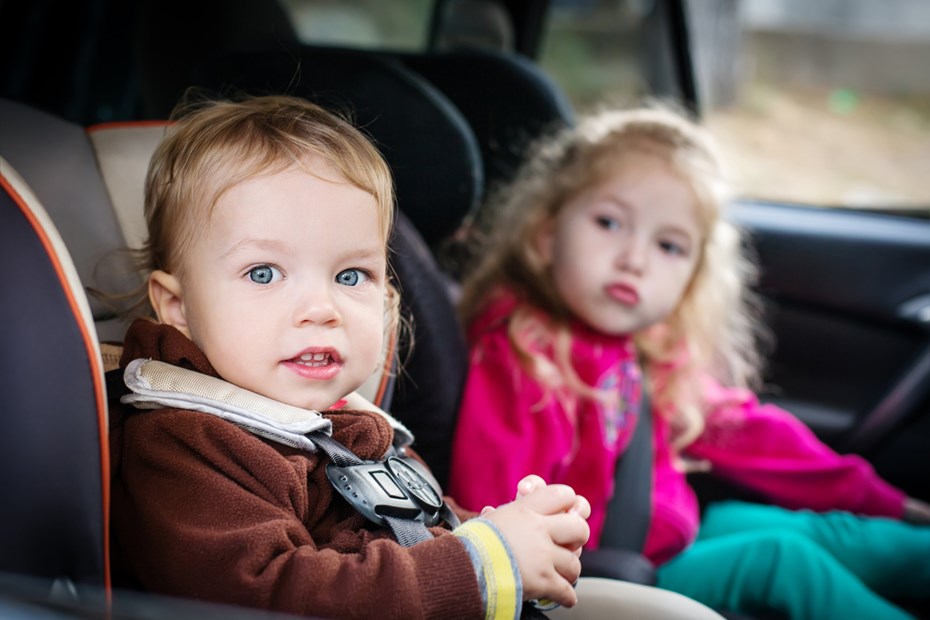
[{"x": 753, "y": 558}]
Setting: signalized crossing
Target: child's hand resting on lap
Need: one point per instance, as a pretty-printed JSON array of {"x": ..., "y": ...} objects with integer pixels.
[{"x": 545, "y": 527}]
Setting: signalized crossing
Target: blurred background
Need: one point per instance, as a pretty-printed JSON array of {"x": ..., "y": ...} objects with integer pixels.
[
  {"x": 822, "y": 102},
  {"x": 818, "y": 102}
]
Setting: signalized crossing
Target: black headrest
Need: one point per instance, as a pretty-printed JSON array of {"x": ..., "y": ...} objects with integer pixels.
[
  {"x": 427, "y": 143},
  {"x": 174, "y": 36},
  {"x": 508, "y": 101}
]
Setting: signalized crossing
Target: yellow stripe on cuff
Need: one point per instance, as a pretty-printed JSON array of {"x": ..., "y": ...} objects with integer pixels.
[{"x": 499, "y": 569}]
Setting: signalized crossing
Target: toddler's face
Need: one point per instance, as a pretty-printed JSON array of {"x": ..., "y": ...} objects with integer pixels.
[
  {"x": 622, "y": 252},
  {"x": 284, "y": 291}
]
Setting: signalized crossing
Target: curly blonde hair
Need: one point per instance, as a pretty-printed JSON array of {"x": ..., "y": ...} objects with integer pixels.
[{"x": 711, "y": 331}]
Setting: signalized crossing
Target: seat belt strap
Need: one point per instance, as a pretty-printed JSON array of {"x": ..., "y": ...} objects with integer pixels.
[{"x": 629, "y": 511}]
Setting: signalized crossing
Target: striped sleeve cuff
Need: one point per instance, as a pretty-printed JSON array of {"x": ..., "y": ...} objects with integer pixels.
[{"x": 496, "y": 568}]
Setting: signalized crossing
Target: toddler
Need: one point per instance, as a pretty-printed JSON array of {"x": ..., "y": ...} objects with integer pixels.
[{"x": 267, "y": 269}]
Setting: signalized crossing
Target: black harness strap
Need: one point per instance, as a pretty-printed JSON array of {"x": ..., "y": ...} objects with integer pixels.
[{"x": 630, "y": 509}]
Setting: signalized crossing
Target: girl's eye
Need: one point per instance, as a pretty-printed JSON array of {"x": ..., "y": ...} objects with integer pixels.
[
  {"x": 608, "y": 223},
  {"x": 265, "y": 274},
  {"x": 352, "y": 277},
  {"x": 673, "y": 248}
]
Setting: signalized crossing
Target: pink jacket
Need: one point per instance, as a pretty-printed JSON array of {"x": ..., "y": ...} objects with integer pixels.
[{"x": 508, "y": 429}]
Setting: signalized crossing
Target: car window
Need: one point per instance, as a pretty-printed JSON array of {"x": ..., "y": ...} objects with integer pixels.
[
  {"x": 398, "y": 25},
  {"x": 821, "y": 103}
]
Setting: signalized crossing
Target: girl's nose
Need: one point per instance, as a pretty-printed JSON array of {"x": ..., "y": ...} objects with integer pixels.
[
  {"x": 633, "y": 257},
  {"x": 317, "y": 308}
]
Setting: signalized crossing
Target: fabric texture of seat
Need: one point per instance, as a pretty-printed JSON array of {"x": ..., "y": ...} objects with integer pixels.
[
  {"x": 175, "y": 36},
  {"x": 507, "y": 100},
  {"x": 54, "y": 464},
  {"x": 428, "y": 144},
  {"x": 432, "y": 373},
  {"x": 56, "y": 159}
]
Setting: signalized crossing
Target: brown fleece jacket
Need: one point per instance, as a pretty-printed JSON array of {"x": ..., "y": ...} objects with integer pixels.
[{"x": 204, "y": 509}]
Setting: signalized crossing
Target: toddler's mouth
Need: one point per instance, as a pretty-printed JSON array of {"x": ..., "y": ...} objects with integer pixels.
[
  {"x": 317, "y": 364},
  {"x": 314, "y": 359}
]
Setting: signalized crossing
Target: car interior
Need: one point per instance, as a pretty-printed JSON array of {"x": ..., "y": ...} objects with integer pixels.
[{"x": 453, "y": 122}]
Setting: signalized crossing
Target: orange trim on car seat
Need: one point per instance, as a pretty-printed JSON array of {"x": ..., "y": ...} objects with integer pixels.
[
  {"x": 99, "y": 391},
  {"x": 120, "y": 124}
]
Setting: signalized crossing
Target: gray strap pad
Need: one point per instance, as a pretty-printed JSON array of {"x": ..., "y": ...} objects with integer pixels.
[{"x": 157, "y": 385}]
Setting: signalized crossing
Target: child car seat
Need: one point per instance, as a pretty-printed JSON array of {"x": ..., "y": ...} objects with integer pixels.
[
  {"x": 54, "y": 464},
  {"x": 56, "y": 159}
]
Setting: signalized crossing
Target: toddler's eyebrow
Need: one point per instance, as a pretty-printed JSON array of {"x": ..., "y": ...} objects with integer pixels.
[
  {"x": 367, "y": 253},
  {"x": 255, "y": 242}
]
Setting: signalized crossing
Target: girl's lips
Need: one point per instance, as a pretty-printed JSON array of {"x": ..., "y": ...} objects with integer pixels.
[{"x": 623, "y": 293}]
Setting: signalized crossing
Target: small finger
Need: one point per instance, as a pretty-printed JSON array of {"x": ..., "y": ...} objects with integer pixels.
[
  {"x": 568, "y": 565},
  {"x": 563, "y": 593},
  {"x": 568, "y": 530},
  {"x": 486, "y": 510},
  {"x": 529, "y": 484},
  {"x": 581, "y": 507},
  {"x": 550, "y": 499}
]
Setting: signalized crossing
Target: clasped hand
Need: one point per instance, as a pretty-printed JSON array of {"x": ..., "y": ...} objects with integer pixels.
[{"x": 545, "y": 527}]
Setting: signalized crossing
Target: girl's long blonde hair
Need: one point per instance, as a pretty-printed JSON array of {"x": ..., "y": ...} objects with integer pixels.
[{"x": 712, "y": 331}]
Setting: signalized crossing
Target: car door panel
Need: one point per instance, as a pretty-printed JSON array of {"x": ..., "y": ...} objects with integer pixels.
[{"x": 846, "y": 297}]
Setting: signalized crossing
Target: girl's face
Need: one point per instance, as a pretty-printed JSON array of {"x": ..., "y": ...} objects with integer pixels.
[
  {"x": 622, "y": 253},
  {"x": 284, "y": 289}
]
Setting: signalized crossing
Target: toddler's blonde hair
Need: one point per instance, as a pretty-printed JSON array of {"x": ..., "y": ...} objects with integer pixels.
[{"x": 213, "y": 145}]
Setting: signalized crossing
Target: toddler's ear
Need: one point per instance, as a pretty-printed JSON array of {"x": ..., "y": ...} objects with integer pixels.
[{"x": 166, "y": 295}]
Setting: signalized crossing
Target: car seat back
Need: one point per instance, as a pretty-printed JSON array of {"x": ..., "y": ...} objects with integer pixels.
[
  {"x": 507, "y": 100},
  {"x": 56, "y": 159},
  {"x": 54, "y": 464},
  {"x": 432, "y": 153}
]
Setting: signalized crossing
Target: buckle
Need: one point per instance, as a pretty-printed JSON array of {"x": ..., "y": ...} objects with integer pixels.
[{"x": 398, "y": 487}]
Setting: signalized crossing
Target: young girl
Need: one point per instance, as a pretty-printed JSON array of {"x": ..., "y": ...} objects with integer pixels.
[
  {"x": 268, "y": 222},
  {"x": 611, "y": 270}
]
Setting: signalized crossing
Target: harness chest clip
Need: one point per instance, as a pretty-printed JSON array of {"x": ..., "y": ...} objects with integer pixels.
[{"x": 398, "y": 487}]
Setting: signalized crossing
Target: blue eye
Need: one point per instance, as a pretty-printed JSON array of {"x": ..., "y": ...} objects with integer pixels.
[
  {"x": 608, "y": 223},
  {"x": 265, "y": 274},
  {"x": 351, "y": 277},
  {"x": 675, "y": 249}
]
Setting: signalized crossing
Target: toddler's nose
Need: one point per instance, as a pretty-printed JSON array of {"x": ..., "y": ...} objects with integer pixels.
[{"x": 317, "y": 307}]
